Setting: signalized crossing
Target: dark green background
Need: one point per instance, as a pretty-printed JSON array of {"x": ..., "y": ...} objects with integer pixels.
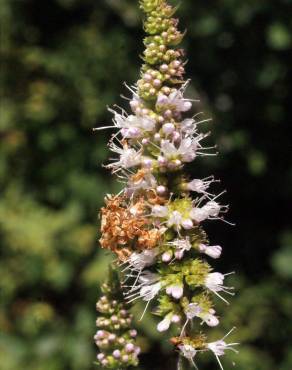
[{"x": 63, "y": 63}]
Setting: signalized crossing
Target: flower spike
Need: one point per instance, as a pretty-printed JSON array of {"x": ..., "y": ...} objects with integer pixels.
[{"x": 155, "y": 226}]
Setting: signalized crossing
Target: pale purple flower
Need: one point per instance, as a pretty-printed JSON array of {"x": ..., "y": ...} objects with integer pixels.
[
  {"x": 175, "y": 101},
  {"x": 192, "y": 310}
]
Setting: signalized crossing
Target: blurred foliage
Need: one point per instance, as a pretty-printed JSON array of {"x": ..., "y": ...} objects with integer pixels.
[{"x": 62, "y": 63}]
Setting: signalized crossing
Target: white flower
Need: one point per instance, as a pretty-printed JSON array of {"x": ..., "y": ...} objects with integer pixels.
[
  {"x": 189, "y": 352},
  {"x": 176, "y": 219},
  {"x": 213, "y": 208},
  {"x": 147, "y": 181},
  {"x": 194, "y": 310},
  {"x": 210, "y": 210},
  {"x": 148, "y": 277},
  {"x": 129, "y": 157},
  {"x": 220, "y": 346},
  {"x": 138, "y": 261},
  {"x": 214, "y": 282},
  {"x": 199, "y": 214},
  {"x": 213, "y": 251},
  {"x": 184, "y": 244},
  {"x": 175, "y": 290},
  {"x": 181, "y": 245},
  {"x": 209, "y": 318},
  {"x": 148, "y": 292},
  {"x": 148, "y": 287},
  {"x": 168, "y": 149},
  {"x": 175, "y": 101},
  {"x": 186, "y": 150},
  {"x": 198, "y": 186},
  {"x": 188, "y": 126},
  {"x": 159, "y": 211},
  {"x": 165, "y": 323},
  {"x": 133, "y": 126}
]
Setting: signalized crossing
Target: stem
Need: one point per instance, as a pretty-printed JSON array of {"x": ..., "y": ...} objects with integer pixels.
[{"x": 182, "y": 363}]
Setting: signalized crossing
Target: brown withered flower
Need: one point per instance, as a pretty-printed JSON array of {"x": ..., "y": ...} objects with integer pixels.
[{"x": 125, "y": 228}]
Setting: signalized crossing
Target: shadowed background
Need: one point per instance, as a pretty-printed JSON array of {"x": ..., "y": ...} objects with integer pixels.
[{"x": 63, "y": 63}]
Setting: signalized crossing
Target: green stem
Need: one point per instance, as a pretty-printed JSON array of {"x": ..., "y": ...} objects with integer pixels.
[{"x": 183, "y": 363}]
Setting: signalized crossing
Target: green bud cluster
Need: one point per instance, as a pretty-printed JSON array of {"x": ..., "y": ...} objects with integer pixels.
[
  {"x": 115, "y": 337},
  {"x": 163, "y": 68}
]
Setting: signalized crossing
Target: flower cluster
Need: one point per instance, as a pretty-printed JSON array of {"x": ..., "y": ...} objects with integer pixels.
[
  {"x": 115, "y": 338},
  {"x": 155, "y": 226}
]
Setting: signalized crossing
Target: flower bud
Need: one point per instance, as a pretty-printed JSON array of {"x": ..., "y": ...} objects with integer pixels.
[
  {"x": 100, "y": 356},
  {"x": 117, "y": 353},
  {"x": 161, "y": 190},
  {"x": 166, "y": 257},
  {"x": 213, "y": 251},
  {"x": 129, "y": 347},
  {"x": 168, "y": 128},
  {"x": 187, "y": 224},
  {"x": 125, "y": 358},
  {"x": 175, "y": 319},
  {"x": 112, "y": 337},
  {"x": 179, "y": 254}
]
